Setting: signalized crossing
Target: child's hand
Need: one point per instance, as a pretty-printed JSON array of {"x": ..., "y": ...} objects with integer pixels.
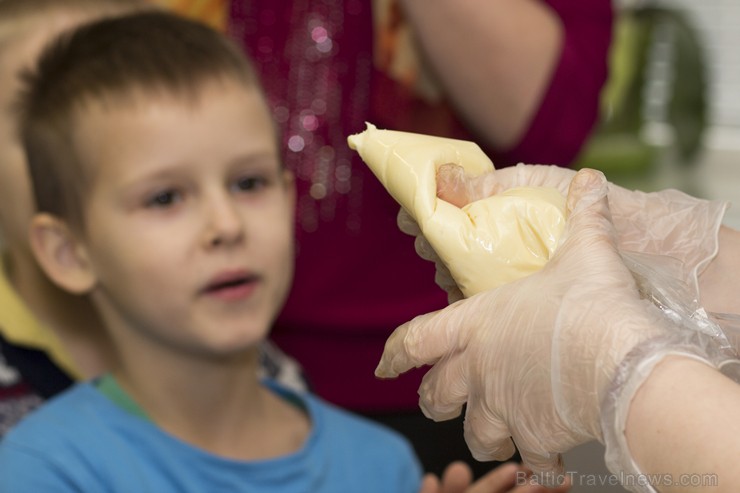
[{"x": 513, "y": 478}]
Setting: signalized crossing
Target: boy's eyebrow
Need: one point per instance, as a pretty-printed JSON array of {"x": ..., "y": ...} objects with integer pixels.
[
  {"x": 175, "y": 168},
  {"x": 256, "y": 158},
  {"x": 130, "y": 187}
]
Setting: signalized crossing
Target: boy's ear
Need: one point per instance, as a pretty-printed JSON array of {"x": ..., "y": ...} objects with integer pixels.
[{"x": 60, "y": 255}]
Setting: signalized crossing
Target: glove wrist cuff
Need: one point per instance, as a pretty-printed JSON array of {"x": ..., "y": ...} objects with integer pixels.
[{"x": 632, "y": 372}]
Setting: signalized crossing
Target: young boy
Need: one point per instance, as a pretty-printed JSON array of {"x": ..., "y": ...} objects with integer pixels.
[
  {"x": 48, "y": 337},
  {"x": 160, "y": 194}
]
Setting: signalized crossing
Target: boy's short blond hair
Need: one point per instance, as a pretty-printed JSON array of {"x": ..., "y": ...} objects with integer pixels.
[{"x": 112, "y": 63}]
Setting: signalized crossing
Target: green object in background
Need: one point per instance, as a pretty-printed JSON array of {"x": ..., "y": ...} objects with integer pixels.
[
  {"x": 650, "y": 43},
  {"x": 622, "y": 157}
]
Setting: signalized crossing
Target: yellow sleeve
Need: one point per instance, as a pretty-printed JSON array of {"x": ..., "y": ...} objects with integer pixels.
[{"x": 212, "y": 12}]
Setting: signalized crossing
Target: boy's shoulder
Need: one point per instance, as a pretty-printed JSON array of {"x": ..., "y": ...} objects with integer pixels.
[
  {"x": 17, "y": 399},
  {"x": 65, "y": 416},
  {"x": 59, "y": 444}
]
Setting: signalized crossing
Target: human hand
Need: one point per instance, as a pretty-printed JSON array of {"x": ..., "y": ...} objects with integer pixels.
[
  {"x": 512, "y": 478},
  {"x": 535, "y": 358},
  {"x": 668, "y": 222}
]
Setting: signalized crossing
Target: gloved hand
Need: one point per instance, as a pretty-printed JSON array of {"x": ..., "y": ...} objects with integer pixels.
[
  {"x": 668, "y": 222},
  {"x": 535, "y": 358}
]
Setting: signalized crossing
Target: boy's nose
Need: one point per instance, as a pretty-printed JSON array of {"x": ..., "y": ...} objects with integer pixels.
[{"x": 224, "y": 225}]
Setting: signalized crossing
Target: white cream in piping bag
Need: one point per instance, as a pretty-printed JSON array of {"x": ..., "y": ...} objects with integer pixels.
[{"x": 486, "y": 243}]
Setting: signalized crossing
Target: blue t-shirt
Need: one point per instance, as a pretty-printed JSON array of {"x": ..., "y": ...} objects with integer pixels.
[{"x": 82, "y": 442}]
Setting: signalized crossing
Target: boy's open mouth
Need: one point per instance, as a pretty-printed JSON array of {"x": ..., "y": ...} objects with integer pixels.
[{"x": 231, "y": 284}]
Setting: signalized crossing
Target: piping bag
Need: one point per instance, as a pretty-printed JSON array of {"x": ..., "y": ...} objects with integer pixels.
[{"x": 484, "y": 244}]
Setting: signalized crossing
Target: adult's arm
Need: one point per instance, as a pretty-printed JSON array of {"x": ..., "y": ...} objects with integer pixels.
[
  {"x": 719, "y": 284},
  {"x": 497, "y": 60},
  {"x": 683, "y": 428}
]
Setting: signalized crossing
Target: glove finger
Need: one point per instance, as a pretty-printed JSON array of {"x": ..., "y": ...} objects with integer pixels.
[
  {"x": 535, "y": 175},
  {"x": 587, "y": 188},
  {"x": 589, "y": 241},
  {"x": 487, "y": 436},
  {"x": 425, "y": 339},
  {"x": 452, "y": 185},
  {"x": 455, "y": 187},
  {"x": 407, "y": 224},
  {"x": 424, "y": 249},
  {"x": 547, "y": 468},
  {"x": 589, "y": 218},
  {"x": 443, "y": 278},
  {"x": 454, "y": 295},
  {"x": 444, "y": 389}
]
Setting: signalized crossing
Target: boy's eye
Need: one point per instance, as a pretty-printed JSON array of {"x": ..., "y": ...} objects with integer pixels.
[
  {"x": 164, "y": 198},
  {"x": 250, "y": 183}
]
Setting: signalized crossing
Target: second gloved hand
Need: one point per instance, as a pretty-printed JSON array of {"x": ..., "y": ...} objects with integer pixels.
[{"x": 534, "y": 359}]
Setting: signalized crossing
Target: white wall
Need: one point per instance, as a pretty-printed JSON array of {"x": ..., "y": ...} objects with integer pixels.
[{"x": 718, "y": 172}]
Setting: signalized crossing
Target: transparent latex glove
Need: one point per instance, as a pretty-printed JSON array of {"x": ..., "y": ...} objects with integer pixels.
[
  {"x": 668, "y": 222},
  {"x": 534, "y": 358}
]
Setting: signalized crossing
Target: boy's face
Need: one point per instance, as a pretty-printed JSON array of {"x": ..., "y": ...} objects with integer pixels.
[{"x": 188, "y": 221}]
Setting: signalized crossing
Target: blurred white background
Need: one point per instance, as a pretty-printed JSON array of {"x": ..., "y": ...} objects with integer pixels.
[{"x": 716, "y": 172}]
